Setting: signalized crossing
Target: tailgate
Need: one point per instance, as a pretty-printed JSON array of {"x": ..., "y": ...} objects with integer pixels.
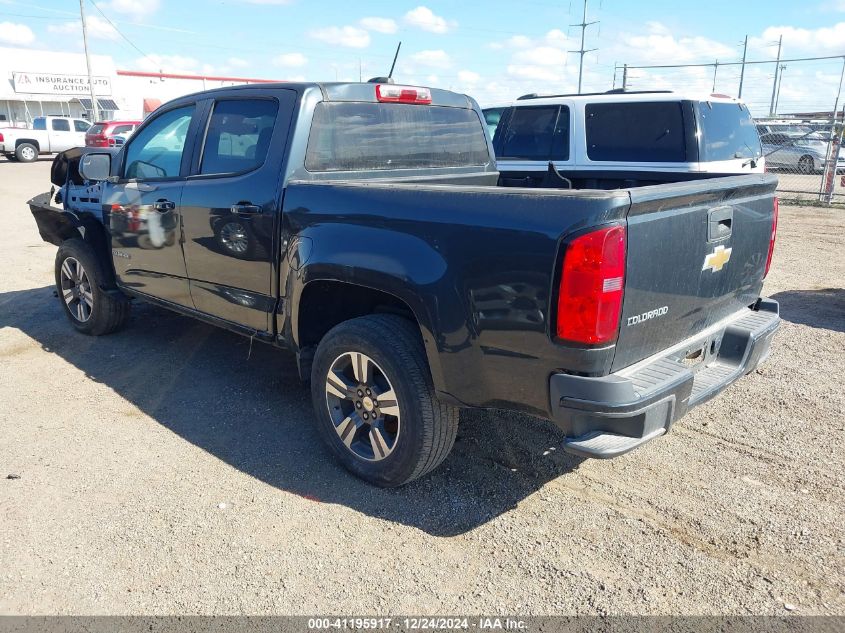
[{"x": 696, "y": 254}]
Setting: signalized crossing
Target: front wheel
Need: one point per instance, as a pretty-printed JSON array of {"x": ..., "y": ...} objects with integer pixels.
[
  {"x": 26, "y": 153},
  {"x": 806, "y": 165},
  {"x": 79, "y": 279},
  {"x": 375, "y": 404}
]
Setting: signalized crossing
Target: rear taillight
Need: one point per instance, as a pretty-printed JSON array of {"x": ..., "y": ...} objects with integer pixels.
[
  {"x": 1, "y": 138},
  {"x": 772, "y": 237},
  {"x": 402, "y": 94},
  {"x": 591, "y": 286}
]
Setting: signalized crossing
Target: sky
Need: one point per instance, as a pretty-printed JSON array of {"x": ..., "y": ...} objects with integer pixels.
[{"x": 494, "y": 51}]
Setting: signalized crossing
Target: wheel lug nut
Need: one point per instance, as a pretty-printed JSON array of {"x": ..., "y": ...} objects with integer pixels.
[
  {"x": 358, "y": 405},
  {"x": 366, "y": 417},
  {"x": 369, "y": 393},
  {"x": 360, "y": 394}
]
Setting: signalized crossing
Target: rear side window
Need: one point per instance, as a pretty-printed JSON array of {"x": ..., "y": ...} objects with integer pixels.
[
  {"x": 727, "y": 132},
  {"x": 358, "y": 136},
  {"x": 238, "y": 135},
  {"x": 651, "y": 132},
  {"x": 39, "y": 124},
  {"x": 120, "y": 129},
  {"x": 61, "y": 125},
  {"x": 536, "y": 133}
]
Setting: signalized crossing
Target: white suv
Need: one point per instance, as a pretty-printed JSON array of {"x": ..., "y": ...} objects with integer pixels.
[{"x": 637, "y": 134}]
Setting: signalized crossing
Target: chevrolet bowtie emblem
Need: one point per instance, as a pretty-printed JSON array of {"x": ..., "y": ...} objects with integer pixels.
[{"x": 717, "y": 259}]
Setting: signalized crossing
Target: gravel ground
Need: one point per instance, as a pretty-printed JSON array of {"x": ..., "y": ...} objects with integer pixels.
[{"x": 166, "y": 470}]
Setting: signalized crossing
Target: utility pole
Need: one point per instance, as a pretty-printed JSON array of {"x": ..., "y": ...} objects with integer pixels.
[
  {"x": 715, "y": 70},
  {"x": 624, "y": 77},
  {"x": 780, "y": 83},
  {"x": 94, "y": 114},
  {"x": 742, "y": 71},
  {"x": 775, "y": 85},
  {"x": 584, "y": 24}
]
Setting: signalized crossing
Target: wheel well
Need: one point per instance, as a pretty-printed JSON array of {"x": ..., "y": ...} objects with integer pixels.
[
  {"x": 96, "y": 238},
  {"x": 31, "y": 141},
  {"x": 325, "y": 304}
]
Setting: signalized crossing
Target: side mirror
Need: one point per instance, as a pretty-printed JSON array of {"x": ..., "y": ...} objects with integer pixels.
[{"x": 95, "y": 167}]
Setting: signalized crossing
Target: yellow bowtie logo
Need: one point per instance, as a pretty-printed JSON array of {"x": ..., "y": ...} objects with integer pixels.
[{"x": 717, "y": 259}]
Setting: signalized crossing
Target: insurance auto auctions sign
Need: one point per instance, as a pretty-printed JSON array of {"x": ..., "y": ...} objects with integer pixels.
[{"x": 52, "y": 84}]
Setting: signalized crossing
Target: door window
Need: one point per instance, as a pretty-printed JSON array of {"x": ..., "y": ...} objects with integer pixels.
[
  {"x": 238, "y": 135},
  {"x": 81, "y": 126},
  {"x": 156, "y": 151},
  {"x": 120, "y": 129},
  {"x": 39, "y": 124},
  {"x": 61, "y": 125}
]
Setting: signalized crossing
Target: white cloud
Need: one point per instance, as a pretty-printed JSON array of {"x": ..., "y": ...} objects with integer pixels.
[
  {"x": 379, "y": 25},
  {"x": 425, "y": 19},
  {"x": 348, "y": 36},
  {"x": 97, "y": 28},
  {"x": 659, "y": 45},
  {"x": 134, "y": 8},
  {"x": 237, "y": 62},
  {"x": 290, "y": 60},
  {"x": 468, "y": 77},
  {"x": 828, "y": 39},
  {"x": 270, "y": 2},
  {"x": 16, "y": 34},
  {"x": 432, "y": 59},
  {"x": 541, "y": 56}
]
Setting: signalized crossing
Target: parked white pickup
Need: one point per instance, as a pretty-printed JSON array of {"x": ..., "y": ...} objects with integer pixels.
[{"x": 48, "y": 135}]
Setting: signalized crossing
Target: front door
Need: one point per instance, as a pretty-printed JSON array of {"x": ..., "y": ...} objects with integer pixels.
[
  {"x": 230, "y": 206},
  {"x": 144, "y": 207},
  {"x": 62, "y": 135}
]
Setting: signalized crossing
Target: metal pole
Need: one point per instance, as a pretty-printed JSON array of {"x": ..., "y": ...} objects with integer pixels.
[
  {"x": 583, "y": 33},
  {"x": 94, "y": 113},
  {"x": 715, "y": 70},
  {"x": 624, "y": 77},
  {"x": 742, "y": 71},
  {"x": 775, "y": 85}
]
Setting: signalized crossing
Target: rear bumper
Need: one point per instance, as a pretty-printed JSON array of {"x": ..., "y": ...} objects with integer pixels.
[{"x": 611, "y": 415}]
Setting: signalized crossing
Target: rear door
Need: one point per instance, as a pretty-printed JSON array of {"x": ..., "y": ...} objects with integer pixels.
[
  {"x": 144, "y": 208},
  {"x": 231, "y": 206},
  {"x": 696, "y": 254}
]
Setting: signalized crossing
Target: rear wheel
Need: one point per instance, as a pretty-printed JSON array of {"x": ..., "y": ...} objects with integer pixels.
[
  {"x": 79, "y": 278},
  {"x": 11, "y": 157},
  {"x": 806, "y": 165},
  {"x": 26, "y": 153},
  {"x": 375, "y": 404}
]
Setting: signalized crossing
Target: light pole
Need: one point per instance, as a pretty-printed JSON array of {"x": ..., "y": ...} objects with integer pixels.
[
  {"x": 742, "y": 71},
  {"x": 775, "y": 85}
]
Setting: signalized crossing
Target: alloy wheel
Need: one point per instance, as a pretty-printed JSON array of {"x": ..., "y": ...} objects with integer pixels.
[
  {"x": 76, "y": 290},
  {"x": 363, "y": 406},
  {"x": 27, "y": 153},
  {"x": 234, "y": 237}
]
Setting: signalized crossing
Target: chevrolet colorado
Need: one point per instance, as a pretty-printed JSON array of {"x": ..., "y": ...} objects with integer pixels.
[{"x": 364, "y": 227}]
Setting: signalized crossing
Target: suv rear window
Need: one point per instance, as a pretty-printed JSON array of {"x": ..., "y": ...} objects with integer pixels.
[
  {"x": 727, "y": 132},
  {"x": 97, "y": 128},
  {"x": 536, "y": 133},
  {"x": 646, "y": 132},
  {"x": 357, "y": 136}
]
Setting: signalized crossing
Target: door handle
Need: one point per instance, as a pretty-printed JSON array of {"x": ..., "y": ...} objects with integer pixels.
[
  {"x": 245, "y": 208},
  {"x": 719, "y": 223},
  {"x": 163, "y": 205}
]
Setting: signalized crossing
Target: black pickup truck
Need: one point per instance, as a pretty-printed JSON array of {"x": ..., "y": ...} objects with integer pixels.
[{"x": 364, "y": 227}]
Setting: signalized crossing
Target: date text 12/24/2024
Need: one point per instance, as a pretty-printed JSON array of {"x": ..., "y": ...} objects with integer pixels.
[{"x": 419, "y": 623}]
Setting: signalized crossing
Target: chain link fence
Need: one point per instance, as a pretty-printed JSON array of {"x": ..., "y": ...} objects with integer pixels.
[{"x": 796, "y": 103}]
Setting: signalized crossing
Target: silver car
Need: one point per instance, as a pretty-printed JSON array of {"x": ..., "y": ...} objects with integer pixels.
[{"x": 804, "y": 153}]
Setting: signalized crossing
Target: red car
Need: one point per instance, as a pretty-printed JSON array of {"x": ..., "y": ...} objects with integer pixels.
[{"x": 103, "y": 134}]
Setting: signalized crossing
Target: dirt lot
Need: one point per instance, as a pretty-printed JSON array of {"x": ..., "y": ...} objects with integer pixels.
[{"x": 165, "y": 470}]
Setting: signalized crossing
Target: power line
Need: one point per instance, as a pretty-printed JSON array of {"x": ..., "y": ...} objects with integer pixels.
[{"x": 119, "y": 32}]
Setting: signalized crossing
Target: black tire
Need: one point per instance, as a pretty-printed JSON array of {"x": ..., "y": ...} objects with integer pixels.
[
  {"x": 26, "y": 153},
  {"x": 806, "y": 165},
  {"x": 11, "y": 157},
  {"x": 106, "y": 313},
  {"x": 428, "y": 426}
]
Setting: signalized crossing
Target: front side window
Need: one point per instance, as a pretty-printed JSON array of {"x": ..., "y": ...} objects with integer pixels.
[
  {"x": 355, "y": 136},
  {"x": 156, "y": 151},
  {"x": 39, "y": 124},
  {"x": 727, "y": 132},
  {"x": 81, "y": 126},
  {"x": 536, "y": 133},
  {"x": 61, "y": 125},
  {"x": 645, "y": 132},
  {"x": 238, "y": 135}
]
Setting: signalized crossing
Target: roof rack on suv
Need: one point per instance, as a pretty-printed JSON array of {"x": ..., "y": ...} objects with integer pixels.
[{"x": 615, "y": 91}]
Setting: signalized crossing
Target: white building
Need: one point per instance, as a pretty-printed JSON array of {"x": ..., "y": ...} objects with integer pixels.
[{"x": 36, "y": 83}]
